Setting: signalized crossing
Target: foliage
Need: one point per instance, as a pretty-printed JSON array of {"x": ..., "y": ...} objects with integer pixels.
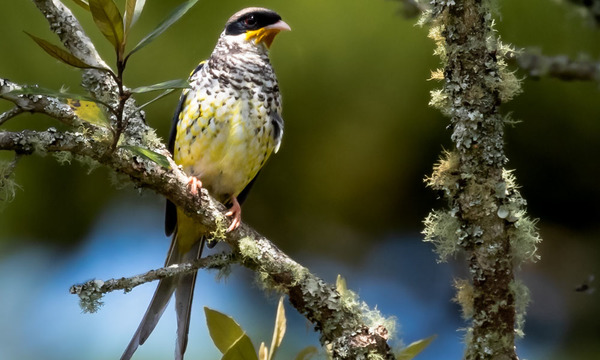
[
  {"x": 229, "y": 337},
  {"x": 116, "y": 29}
]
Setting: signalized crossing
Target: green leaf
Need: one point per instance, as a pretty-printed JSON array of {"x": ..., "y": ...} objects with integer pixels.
[
  {"x": 88, "y": 111},
  {"x": 84, "y": 4},
  {"x": 242, "y": 349},
  {"x": 165, "y": 85},
  {"x": 279, "y": 330},
  {"x": 223, "y": 330},
  {"x": 133, "y": 9},
  {"x": 108, "y": 19},
  {"x": 165, "y": 93},
  {"x": 414, "y": 348},
  {"x": 340, "y": 285},
  {"x": 61, "y": 54},
  {"x": 149, "y": 154},
  {"x": 263, "y": 352},
  {"x": 307, "y": 353},
  {"x": 164, "y": 25}
]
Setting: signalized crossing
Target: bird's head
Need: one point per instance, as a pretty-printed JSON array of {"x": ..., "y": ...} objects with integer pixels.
[{"x": 257, "y": 25}]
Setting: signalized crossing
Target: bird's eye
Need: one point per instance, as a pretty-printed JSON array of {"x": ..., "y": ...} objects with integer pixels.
[{"x": 250, "y": 21}]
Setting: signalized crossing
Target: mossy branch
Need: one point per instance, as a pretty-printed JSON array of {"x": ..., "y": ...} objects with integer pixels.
[
  {"x": 538, "y": 65},
  {"x": 486, "y": 217}
]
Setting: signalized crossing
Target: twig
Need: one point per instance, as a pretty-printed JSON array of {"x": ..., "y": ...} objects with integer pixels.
[
  {"x": 7, "y": 115},
  {"x": 91, "y": 292},
  {"x": 560, "y": 66},
  {"x": 412, "y": 8},
  {"x": 591, "y": 6},
  {"x": 36, "y": 103}
]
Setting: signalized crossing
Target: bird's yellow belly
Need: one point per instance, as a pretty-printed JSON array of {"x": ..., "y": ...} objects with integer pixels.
[{"x": 224, "y": 146}]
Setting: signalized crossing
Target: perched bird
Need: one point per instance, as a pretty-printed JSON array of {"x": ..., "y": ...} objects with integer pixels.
[{"x": 225, "y": 128}]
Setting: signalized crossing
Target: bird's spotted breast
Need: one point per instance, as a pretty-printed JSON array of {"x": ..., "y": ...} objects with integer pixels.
[{"x": 224, "y": 135}]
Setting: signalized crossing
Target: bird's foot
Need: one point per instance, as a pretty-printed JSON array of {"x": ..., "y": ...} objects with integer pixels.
[
  {"x": 235, "y": 212},
  {"x": 194, "y": 184}
]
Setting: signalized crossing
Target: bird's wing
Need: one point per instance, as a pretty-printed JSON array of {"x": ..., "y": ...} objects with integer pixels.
[{"x": 171, "y": 210}]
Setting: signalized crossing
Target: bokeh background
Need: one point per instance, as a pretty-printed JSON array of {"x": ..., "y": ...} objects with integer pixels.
[{"x": 343, "y": 196}]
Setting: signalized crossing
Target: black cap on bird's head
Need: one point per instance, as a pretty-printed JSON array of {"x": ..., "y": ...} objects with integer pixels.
[{"x": 258, "y": 24}]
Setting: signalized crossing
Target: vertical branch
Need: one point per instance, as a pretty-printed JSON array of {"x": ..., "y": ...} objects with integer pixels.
[{"x": 485, "y": 207}]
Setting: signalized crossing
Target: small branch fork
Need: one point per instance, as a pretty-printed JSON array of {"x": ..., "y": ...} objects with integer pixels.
[{"x": 342, "y": 325}]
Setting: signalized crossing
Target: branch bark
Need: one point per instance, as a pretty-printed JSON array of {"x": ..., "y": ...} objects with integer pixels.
[
  {"x": 560, "y": 66},
  {"x": 340, "y": 318},
  {"x": 486, "y": 210}
]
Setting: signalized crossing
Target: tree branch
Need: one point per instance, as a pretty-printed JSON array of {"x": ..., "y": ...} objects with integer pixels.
[
  {"x": 331, "y": 314},
  {"x": 559, "y": 66},
  {"x": 412, "y": 8},
  {"x": 591, "y": 6},
  {"x": 50, "y": 106},
  {"x": 7, "y": 115},
  {"x": 91, "y": 292},
  {"x": 486, "y": 217}
]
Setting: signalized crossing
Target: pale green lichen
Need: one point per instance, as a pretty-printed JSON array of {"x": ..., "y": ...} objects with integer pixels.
[
  {"x": 465, "y": 294},
  {"x": 63, "y": 157},
  {"x": 509, "y": 85},
  {"x": 90, "y": 297},
  {"x": 220, "y": 231},
  {"x": 371, "y": 317},
  {"x": 524, "y": 239},
  {"x": 8, "y": 185},
  {"x": 151, "y": 140},
  {"x": 522, "y": 299},
  {"x": 375, "y": 356},
  {"x": 444, "y": 231},
  {"x": 445, "y": 174},
  {"x": 523, "y": 233}
]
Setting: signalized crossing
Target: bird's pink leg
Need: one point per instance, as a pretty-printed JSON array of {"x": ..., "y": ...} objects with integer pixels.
[
  {"x": 236, "y": 213},
  {"x": 194, "y": 184}
]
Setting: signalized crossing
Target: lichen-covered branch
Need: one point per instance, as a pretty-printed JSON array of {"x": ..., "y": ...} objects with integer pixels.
[
  {"x": 91, "y": 292},
  {"x": 413, "y": 8},
  {"x": 486, "y": 218},
  {"x": 560, "y": 66},
  {"x": 340, "y": 321},
  {"x": 591, "y": 6},
  {"x": 36, "y": 104}
]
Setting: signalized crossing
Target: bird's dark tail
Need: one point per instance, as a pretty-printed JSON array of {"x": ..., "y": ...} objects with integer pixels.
[{"x": 183, "y": 286}]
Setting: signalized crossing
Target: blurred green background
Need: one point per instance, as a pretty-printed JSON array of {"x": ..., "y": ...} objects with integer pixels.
[{"x": 359, "y": 139}]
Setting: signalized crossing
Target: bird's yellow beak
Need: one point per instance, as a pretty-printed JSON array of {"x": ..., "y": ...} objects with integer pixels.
[{"x": 267, "y": 34}]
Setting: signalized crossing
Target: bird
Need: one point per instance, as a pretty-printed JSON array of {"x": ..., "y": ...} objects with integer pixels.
[{"x": 227, "y": 124}]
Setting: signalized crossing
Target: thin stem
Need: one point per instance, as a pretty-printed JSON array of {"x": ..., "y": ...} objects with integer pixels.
[{"x": 10, "y": 114}]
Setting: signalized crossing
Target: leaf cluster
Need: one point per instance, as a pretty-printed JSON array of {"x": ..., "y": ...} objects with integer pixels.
[
  {"x": 233, "y": 342},
  {"x": 116, "y": 29}
]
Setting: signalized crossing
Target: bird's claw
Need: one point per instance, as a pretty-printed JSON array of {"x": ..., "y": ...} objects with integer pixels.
[
  {"x": 194, "y": 184},
  {"x": 235, "y": 212}
]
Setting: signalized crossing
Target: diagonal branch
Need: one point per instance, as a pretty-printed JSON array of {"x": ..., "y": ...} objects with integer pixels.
[{"x": 330, "y": 312}]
